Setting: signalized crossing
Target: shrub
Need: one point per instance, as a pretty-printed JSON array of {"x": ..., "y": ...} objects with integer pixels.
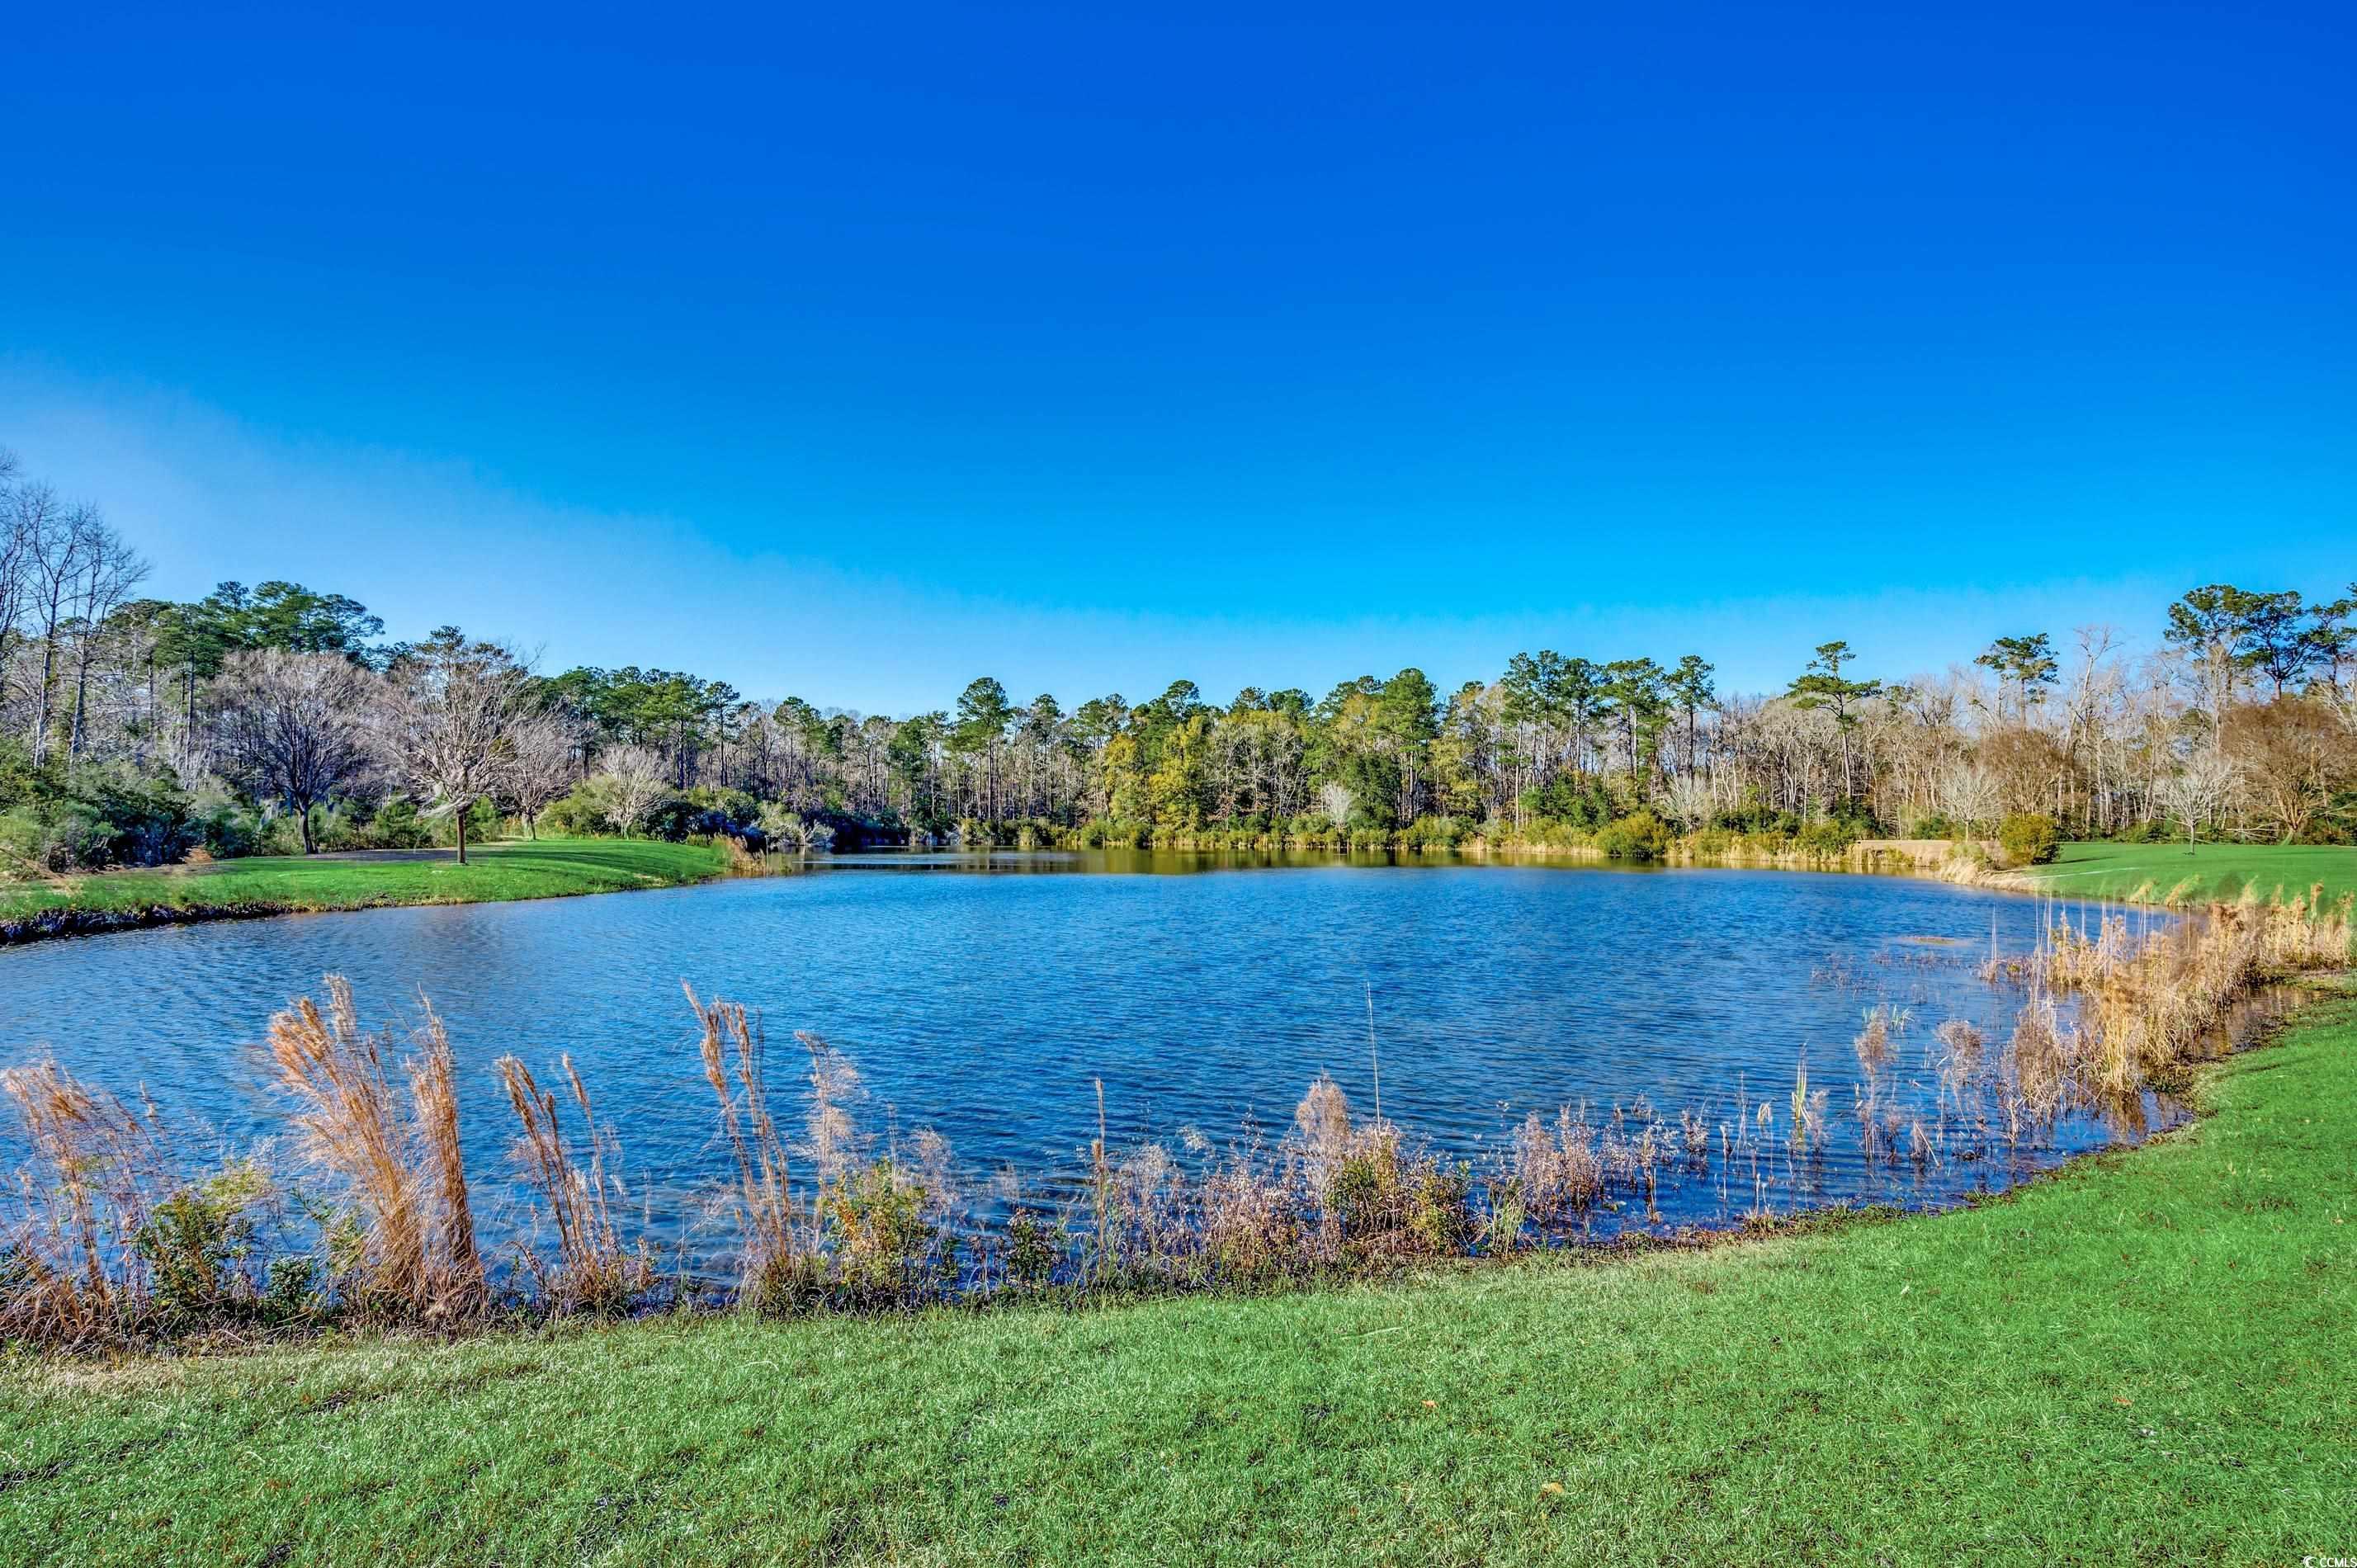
[
  {"x": 1712, "y": 841},
  {"x": 1314, "y": 830},
  {"x": 585, "y": 811},
  {"x": 1640, "y": 835},
  {"x": 789, "y": 830},
  {"x": 877, "y": 1231},
  {"x": 398, "y": 826},
  {"x": 98, "y": 817},
  {"x": 1548, "y": 833},
  {"x": 2030, "y": 838},
  {"x": 194, "y": 1242},
  {"x": 131, "y": 820},
  {"x": 23, "y": 836},
  {"x": 278, "y": 834},
  {"x": 1390, "y": 1203},
  {"x": 223, "y": 828},
  {"x": 1575, "y": 802},
  {"x": 482, "y": 822},
  {"x": 1032, "y": 1248},
  {"x": 295, "y": 1291},
  {"x": 1435, "y": 833},
  {"x": 1831, "y": 836}
]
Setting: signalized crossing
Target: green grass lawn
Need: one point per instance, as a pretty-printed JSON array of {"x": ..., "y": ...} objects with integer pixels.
[
  {"x": 2150, "y": 1359},
  {"x": 2118, "y": 871},
  {"x": 547, "y": 868}
]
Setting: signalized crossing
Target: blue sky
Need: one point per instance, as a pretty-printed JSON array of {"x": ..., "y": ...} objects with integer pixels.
[{"x": 852, "y": 355}]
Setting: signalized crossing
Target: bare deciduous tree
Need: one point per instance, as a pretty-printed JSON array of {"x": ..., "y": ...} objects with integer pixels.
[
  {"x": 2199, "y": 790},
  {"x": 110, "y": 569},
  {"x": 637, "y": 778},
  {"x": 1969, "y": 794},
  {"x": 545, "y": 745},
  {"x": 294, "y": 726},
  {"x": 450, "y": 720},
  {"x": 15, "y": 537},
  {"x": 1688, "y": 801},
  {"x": 56, "y": 543}
]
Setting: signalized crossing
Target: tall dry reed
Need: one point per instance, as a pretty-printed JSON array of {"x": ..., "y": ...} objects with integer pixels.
[
  {"x": 2149, "y": 1004},
  {"x": 65, "y": 1240},
  {"x": 592, "y": 1270},
  {"x": 405, "y": 1240},
  {"x": 734, "y": 1049}
]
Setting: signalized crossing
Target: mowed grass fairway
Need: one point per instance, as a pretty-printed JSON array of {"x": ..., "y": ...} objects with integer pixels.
[
  {"x": 2210, "y": 871},
  {"x": 544, "y": 869},
  {"x": 2151, "y": 1358}
]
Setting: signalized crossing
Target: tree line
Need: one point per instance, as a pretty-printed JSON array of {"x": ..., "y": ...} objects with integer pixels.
[{"x": 134, "y": 729}]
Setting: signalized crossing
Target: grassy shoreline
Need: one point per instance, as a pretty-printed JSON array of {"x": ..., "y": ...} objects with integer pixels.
[
  {"x": 283, "y": 884},
  {"x": 549, "y": 868},
  {"x": 2171, "y": 873},
  {"x": 2144, "y": 1356}
]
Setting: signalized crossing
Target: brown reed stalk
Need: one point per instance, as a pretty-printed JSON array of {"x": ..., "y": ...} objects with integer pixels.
[
  {"x": 97, "y": 1160},
  {"x": 433, "y": 1094},
  {"x": 1556, "y": 1170},
  {"x": 592, "y": 1270},
  {"x": 348, "y": 1123},
  {"x": 1250, "y": 1213},
  {"x": 1101, "y": 1185},
  {"x": 733, "y": 1040},
  {"x": 1873, "y": 1042},
  {"x": 834, "y": 1141},
  {"x": 2147, "y": 1005}
]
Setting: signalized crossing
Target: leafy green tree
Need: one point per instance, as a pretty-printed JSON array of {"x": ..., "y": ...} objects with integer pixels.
[
  {"x": 913, "y": 757},
  {"x": 1525, "y": 705},
  {"x": 1578, "y": 698},
  {"x": 2331, "y": 638},
  {"x": 1175, "y": 787},
  {"x": 983, "y": 715},
  {"x": 1046, "y": 754},
  {"x": 1406, "y": 721},
  {"x": 2212, "y": 625},
  {"x": 1122, "y": 767},
  {"x": 191, "y": 641},
  {"x": 676, "y": 712},
  {"x": 1689, "y": 686},
  {"x": 2025, "y": 665},
  {"x": 290, "y": 616},
  {"x": 1633, "y": 692},
  {"x": 1559, "y": 701},
  {"x": 1825, "y": 685},
  {"x": 2274, "y": 641}
]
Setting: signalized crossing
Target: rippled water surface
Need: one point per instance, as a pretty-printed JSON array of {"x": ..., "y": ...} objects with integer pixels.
[{"x": 986, "y": 998}]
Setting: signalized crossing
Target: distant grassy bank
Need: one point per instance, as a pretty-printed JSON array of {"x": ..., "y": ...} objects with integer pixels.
[
  {"x": 558, "y": 867},
  {"x": 286, "y": 883},
  {"x": 2145, "y": 1358},
  {"x": 2153, "y": 873}
]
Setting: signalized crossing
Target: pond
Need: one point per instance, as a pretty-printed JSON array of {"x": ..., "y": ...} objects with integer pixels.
[{"x": 987, "y": 996}]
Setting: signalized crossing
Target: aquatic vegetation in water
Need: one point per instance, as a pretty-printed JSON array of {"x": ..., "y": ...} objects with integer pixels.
[{"x": 110, "y": 1234}]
